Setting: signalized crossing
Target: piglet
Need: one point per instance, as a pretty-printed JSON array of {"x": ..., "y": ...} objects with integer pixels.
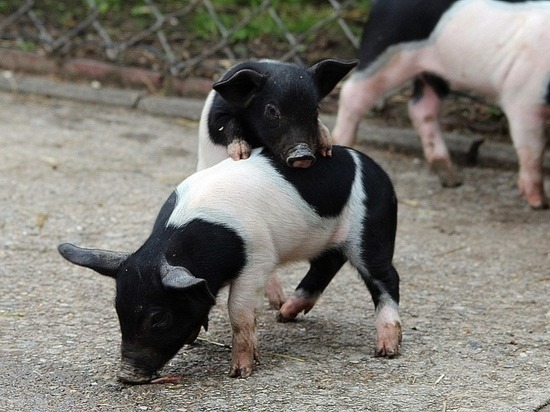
[
  {"x": 233, "y": 224},
  {"x": 498, "y": 48},
  {"x": 272, "y": 104}
]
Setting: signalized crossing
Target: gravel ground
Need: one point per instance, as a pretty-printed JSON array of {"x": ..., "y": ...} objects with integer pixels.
[{"x": 474, "y": 263}]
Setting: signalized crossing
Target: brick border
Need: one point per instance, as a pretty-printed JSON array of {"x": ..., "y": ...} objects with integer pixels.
[
  {"x": 75, "y": 69},
  {"x": 147, "y": 82}
]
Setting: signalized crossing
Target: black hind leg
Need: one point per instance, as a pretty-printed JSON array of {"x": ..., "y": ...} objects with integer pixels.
[
  {"x": 322, "y": 270},
  {"x": 383, "y": 284}
]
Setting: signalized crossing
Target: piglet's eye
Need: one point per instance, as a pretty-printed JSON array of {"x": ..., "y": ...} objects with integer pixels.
[
  {"x": 160, "y": 320},
  {"x": 272, "y": 113}
]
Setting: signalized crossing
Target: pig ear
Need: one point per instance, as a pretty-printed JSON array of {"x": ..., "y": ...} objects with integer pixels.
[
  {"x": 177, "y": 277},
  {"x": 327, "y": 73},
  {"x": 104, "y": 262},
  {"x": 241, "y": 87}
]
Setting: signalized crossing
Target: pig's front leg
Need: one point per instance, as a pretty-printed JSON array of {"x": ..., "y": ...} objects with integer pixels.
[
  {"x": 325, "y": 140},
  {"x": 237, "y": 147},
  {"x": 243, "y": 297}
]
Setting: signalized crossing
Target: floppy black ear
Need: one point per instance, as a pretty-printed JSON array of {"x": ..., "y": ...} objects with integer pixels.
[
  {"x": 241, "y": 87},
  {"x": 179, "y": 278},
  {"x": 105, "y": 262},
  {"x": 327, "y": 73}
]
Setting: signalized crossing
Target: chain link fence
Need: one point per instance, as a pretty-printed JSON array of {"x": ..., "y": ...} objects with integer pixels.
[{"x": 184, "y": 37}]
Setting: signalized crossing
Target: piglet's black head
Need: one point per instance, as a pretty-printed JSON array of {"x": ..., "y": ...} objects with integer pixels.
[
  {"x": 245, "y": 81},
  {"x": 160, "y": 307},
  {"x": 276, "y": 105}
]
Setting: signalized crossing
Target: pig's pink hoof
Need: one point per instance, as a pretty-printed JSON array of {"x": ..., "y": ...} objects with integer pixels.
[
  {"x": 239, "y": 149},
  {"x": 240, "y": 372},
  {"x": 448, "y": 177},
  {"x": 325, "y": 140},
  {"x": 534, "y": 193},
  {"x": 538, "y": 203},
  {"x": 293, "y": 306},
  {"x": 389, "y": 340},
  {"x": 243, "y": 365},
  {"x": 326, "y": 151},
  {"x": 536, "y": 198}
]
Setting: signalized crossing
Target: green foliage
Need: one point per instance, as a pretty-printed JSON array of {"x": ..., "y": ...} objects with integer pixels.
[
  {"x": 297, "y": 15},
  {"x": 108, "y": 5}
]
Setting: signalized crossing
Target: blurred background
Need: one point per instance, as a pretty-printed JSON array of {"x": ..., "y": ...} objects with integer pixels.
[
  {"x": 179, "y": 47},
  {"x": 184, "y": 37}
]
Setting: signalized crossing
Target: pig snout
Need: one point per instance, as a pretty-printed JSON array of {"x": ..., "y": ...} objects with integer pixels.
[
  {"x": 131, "y": 373},
  {"x": 138, "y": 365},
  {"x": 300, "y": 156}
]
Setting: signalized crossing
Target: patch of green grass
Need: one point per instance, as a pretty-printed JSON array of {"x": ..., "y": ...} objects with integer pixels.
[{"x": 297, "y": 15}]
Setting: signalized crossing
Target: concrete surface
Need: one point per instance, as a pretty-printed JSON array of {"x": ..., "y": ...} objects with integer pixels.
[{"x": 474, "y": 264}]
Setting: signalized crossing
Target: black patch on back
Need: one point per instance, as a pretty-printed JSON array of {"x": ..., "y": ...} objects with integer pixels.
[
  {"x": 393, "y": 22},
  {"x": 548, "y": 94},
  {"x": 165, "y": 212},
  {"x": 208, "y": 250},
  {"x": 325, "y": 186}
]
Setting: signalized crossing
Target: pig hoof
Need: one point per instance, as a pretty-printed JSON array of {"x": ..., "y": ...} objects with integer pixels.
[
  {"x": 293, "y": 306},
  {"x": 284, "y": 319},
  {"x": 326, "y": 152},
  {"x": 386, "y": 353},
  {"x": 389, "y": 340},
  {"x": 542, "y": 206},
  {"x": 537, "y": 202},
  {"x": 325, "y": 140},
  {"x": 446, "y": 173},
  {"x": 533, "y": 193},
  {"x": 239, "y": 149},
  {"x": 240, "y": 372}
]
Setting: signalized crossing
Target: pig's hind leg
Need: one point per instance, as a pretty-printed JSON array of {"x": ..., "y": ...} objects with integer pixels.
[
  {"x": 274, "y": 291},
  {"x": 424, "y": 110},
  {"x": 321, "y": 272},
  {"x": 374, "y": 264},
  {"x": 383, "y": 284},
  {"x": 527, "y": 132}
]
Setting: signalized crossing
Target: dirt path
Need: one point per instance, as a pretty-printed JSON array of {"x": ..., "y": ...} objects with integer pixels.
[{"x": 474, "y": 264}]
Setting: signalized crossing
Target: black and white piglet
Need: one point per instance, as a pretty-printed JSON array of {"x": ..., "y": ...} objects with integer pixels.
[
  {"x": 269, "y": 104},
  {"x": 233, "y": 224}
]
